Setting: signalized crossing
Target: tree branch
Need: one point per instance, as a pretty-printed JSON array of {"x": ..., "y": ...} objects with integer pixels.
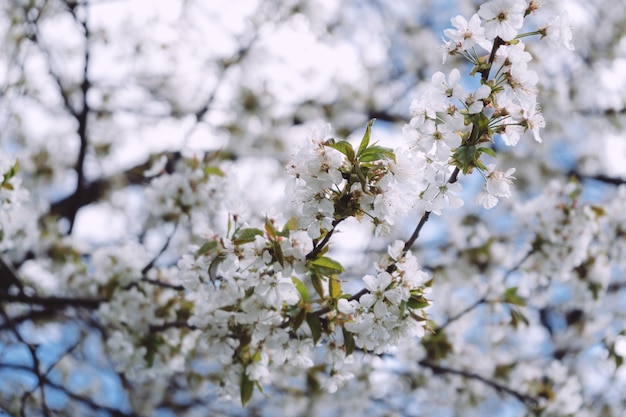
[
  {"x": 54, "y": 303},
  {"x": 527, "y": 400}
]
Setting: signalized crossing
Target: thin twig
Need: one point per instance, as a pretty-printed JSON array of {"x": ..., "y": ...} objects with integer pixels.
[{"x": 526, "y": 399}]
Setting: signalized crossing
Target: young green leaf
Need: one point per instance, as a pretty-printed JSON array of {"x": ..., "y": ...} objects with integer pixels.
[
  {"x": 334, "y": 287},
  {"x": 246, "y": 388},
  {"x": 517, "y": 317},
  {"x": 348, "y": 341},
  {"x": 213, "y": 170},
  {"x": 327, "y": 266},
  {"x": 316, "y": 280},
  {"x": 316, "y": 326},
  {"x": 511, "y": 297},
  {"x": 342, "y": 146},
  {"x": 377, "y": 153},
  {"x": 488, "y": 151},
  {"x": 302, "y": 289},
  {"x": 366, "y": 138},
  {"x": 206, "y": 247},
  {"x": 298, "y": 319},
  {"x": 246, "y": 236}
]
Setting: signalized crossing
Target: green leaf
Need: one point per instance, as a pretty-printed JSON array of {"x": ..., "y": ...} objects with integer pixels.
[
  {"x": 316, "y": 326},
  {"x": 206, "y": 247},
  {"x": 213, "y": 170},
  {"x": 11, "y": 173},
  {"x": 464, "y": 158},
  {"x": 348, "y": 341},
  {"x": 298, "y": 319},
  {"x": 270, "y": 229},
  {"x": 517, "y": 317},
  {"x": 597, "y": 210},
  {"x": 246, "y": 388},
  {"x": 479, "y": 129},
  {"x": 334, "y": 287},
  {"x": 377, "y": 153},
  {"x": 152, "y": 343},
  {"x": 246, "y": 236},
  {"x": 316, "y": 280},
  {"x": 327, "y": 266},
  {"x": 342, "y": 146},
  {"x": 277, "y": 251},
  {"x": 488, "y": 151},
  {"x": 213, "y": 267},
  {"x": 502, "y": 371},
  {"x": 302, "y": 289},
  {"x": 291, "y": 224},
  {"x": 511, "y": 297},
  {"x": 417, "y": 302},
  {"x": 366, "y": 138}
]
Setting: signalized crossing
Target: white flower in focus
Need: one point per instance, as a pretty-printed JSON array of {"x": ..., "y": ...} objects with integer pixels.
[
  {"x": 474, "y": 101},
  {"x": 498, "y": 182},
  {"x": 466, "y": 34},
  {"x": 520, "y": 85},
  {"x": 347, "y": 307},
  {"x": 511, "y": 55},
  {"x": 444, "y": 195},
  {"x": 316, "y": 217},
  {"x": 395, "y": 251},
  {"x": 533, "y": 120},
  {"x": 441, "y": 137},
  {"x": 299, "y": 243},
  {"x": 503, "y": 18},
  {"x": 421, "y": 110},
  {"x": 497, "y": 185},
  {"x": 276, "y": 290},
  {"x": 376, "y": 285},
  {"x": 512, "y": 134},
  {"x": 450, "y": 88}
]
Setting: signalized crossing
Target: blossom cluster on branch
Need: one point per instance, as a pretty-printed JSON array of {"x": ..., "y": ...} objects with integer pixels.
[
  {"x": 208, "y": 303},
  {"x": 263, "y": 300}
]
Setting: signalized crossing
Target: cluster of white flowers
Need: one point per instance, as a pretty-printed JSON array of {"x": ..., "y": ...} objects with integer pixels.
[
  {"x": 316, "y": 175},
  {"x": 193, "y": 187},
  {"x": 381, "y": 318},
  {"x": 453, "y": 128},
  {"x": 565, "y": 233}
]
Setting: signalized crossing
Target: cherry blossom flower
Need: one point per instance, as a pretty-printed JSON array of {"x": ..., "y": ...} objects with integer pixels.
[
  {"x": 466, "y": 34},
  {"x": 503, "y": 18},
  {"x": 474, "y": 101}
]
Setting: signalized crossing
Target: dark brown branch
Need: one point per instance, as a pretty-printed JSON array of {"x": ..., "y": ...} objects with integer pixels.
[
  {"x": 602, "y": 178},
  {"x": 150, "y": 265},
  {"x": 320, "y": 245},
  {"x": 32, "y": 315},
  {"x": 82, "y": 119},
  {"x": 172, "y": 325},
  {"x": 54, "y": 303},
  {"x": 497, "y": 43},
  {"x": 527, "y": 400}
]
